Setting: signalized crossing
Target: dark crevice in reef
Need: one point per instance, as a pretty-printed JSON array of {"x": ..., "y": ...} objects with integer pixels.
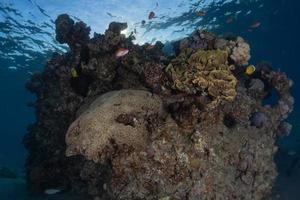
[
  {"x": 229, "y": 120},
  {"x": 117, "y": 120}
]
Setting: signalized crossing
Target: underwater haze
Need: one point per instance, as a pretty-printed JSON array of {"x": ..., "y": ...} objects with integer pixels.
[{"x": 28, "y": 41}]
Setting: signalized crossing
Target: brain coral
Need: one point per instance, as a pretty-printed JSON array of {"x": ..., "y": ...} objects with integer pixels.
[
  {"x": 203, "y": 72},
  {"x": 118, "y": 117}
]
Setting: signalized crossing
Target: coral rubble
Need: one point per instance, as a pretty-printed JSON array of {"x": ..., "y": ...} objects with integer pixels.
[{"x": 146, "y": 125}]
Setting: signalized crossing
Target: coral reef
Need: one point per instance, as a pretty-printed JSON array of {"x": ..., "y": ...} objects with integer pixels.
[
  {"x": 199, "y": 39},
  {"x": 74, "y": 34},
  {"x": 238, "y": 49},
  {"x": 104, "y": 122},
  {"x": 147, "y": 125},
  {"x": 203, "y": 71},
  {"x": 258, "y": 119}
]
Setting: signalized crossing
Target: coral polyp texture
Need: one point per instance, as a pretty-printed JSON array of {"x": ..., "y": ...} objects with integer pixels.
[
  {"x": 202, "y": 71},
  {"x": 116, "y": 120},
  {"x": 118, "y": 117}
]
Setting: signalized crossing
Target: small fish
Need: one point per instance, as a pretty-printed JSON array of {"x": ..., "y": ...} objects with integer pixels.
[
  {"x": 121, "y": 52},
  {"x": 111, "y": 15},
  {"x": 13, "y": 68},
  {"x": 51, "y": 191},
  {"x": 151, "y": 15},
  {"x": 200, "y": 13},
  {"x": 255, "y": 25},
  {"x": 250, "y": 70},
  {"x": 149, "y": 47},
  {"x": 229, "y": 20},
  {"x": 74, "y": 73}
]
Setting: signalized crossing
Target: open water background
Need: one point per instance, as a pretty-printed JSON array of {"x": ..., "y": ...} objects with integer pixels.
[{"x": 27, "y": 40}]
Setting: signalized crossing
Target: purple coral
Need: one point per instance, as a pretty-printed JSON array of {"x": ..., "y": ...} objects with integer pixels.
[
  {"x": 285, "y": 106},
  {"x": 258, "y": 119},
  {"x": 284, "y": 129}
]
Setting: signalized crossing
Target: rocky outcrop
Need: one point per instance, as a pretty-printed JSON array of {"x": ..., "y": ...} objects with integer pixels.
[{"x": 146, "y": 125}]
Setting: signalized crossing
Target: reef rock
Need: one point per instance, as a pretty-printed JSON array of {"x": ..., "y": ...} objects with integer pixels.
[
  {"x": 117, "y": 117},
  {"x": 152, "y": 126},
  {"x": 199, "y": 39},
  {"x": 71, "y": 33}
]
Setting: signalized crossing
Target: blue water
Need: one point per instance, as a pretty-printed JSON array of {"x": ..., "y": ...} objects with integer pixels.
[{"x": 27, "y": 40}]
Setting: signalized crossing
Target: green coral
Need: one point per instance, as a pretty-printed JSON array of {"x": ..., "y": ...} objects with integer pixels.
[{"x": 204, "y": 72}]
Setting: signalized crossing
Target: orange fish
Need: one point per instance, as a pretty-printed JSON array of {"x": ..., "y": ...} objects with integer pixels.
[
  {"x": 200, "y": 13},
  {"x": 151, "y": 15},
  {"x": 121, "y": 52},
  {"x": 255, "y": 25}
]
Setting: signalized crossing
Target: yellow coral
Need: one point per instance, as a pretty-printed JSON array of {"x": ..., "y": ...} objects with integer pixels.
[
  {"x": 201, "y": 71},
  {"x": 74, "y": 73}
]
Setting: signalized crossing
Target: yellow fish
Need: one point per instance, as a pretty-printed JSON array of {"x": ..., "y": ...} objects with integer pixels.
[
  {"x": 74, "y": 73},
  {"x": 250, "y": 70}
]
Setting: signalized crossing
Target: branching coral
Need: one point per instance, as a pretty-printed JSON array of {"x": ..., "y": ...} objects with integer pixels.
[{"x": 203, "y": 71}]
